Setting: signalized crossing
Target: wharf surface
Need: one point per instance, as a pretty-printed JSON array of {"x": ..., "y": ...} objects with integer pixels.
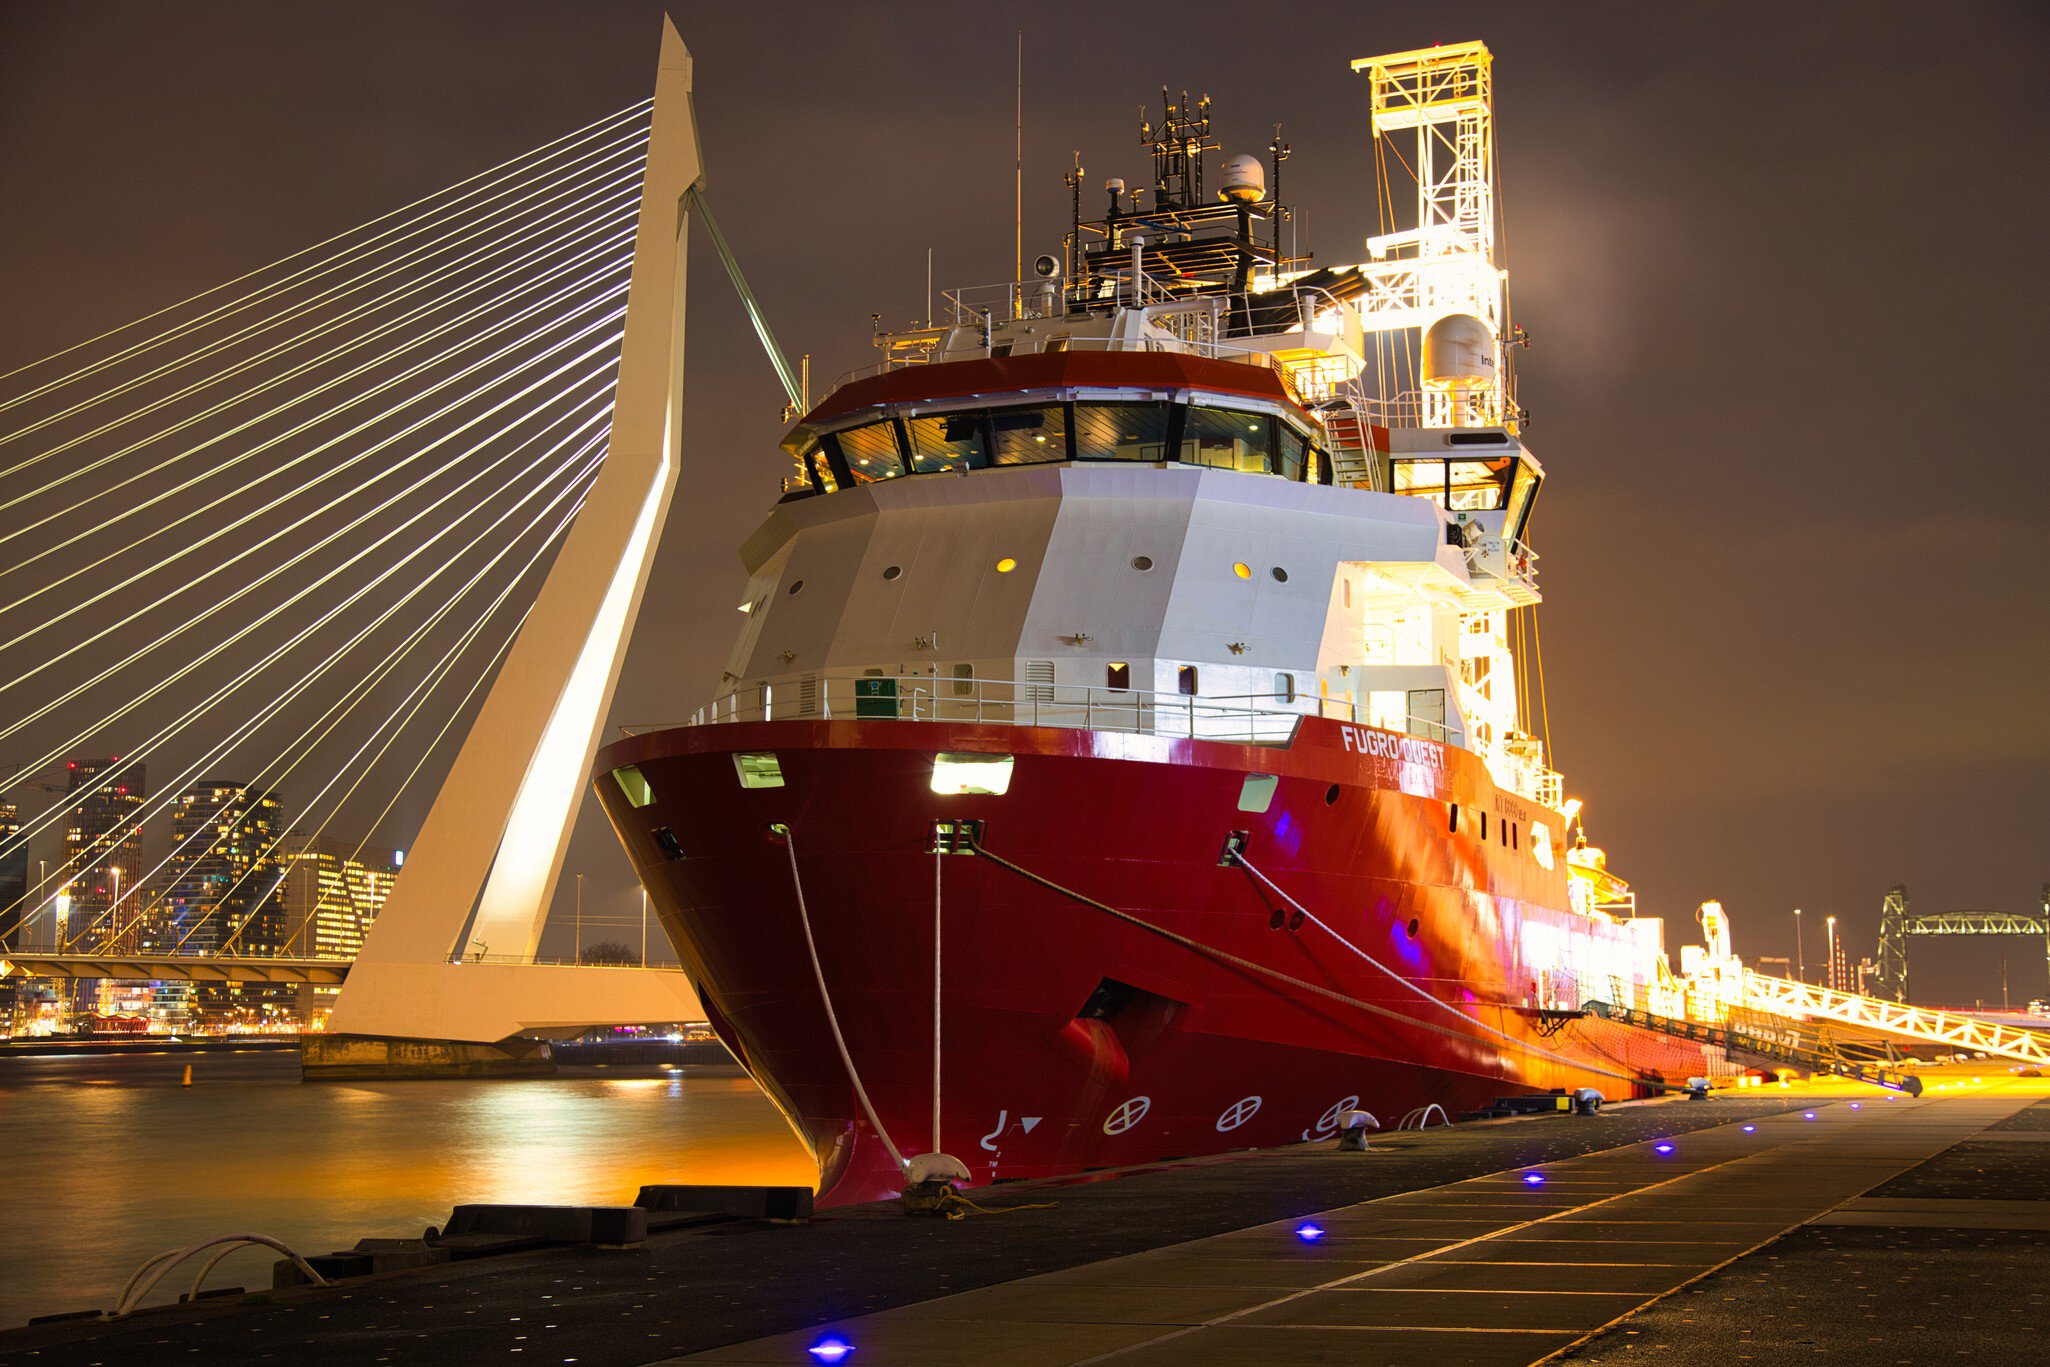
[{"x": 1827, "y": 1220}]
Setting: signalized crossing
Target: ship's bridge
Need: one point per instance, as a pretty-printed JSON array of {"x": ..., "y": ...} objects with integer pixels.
[{"x": 1062, "y": 405}]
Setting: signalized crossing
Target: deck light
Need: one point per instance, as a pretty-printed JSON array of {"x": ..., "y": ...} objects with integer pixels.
[
  {"x": 1663, "y": 1148},
  {"x": 1854, "y": 1105},
  {"x": 831, "y": 1349},
  {"x": 1309, "y": 1233},
  {"x": 1534, "y": 1179},
  {"x": 1807, "y": 1115},
  {"x": 1750, "y": 1129}
]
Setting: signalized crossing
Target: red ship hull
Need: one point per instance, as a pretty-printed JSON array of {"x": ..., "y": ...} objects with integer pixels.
[{"x": 1071, "y": 1037}]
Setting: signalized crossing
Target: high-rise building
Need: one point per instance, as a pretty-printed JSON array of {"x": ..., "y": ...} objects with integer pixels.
[
  {"x": 99, "y": 905},
  {"x": 14, "y": 903},
  {"x": 213, "y": 893},
  {"x": 331, "y": 893}
]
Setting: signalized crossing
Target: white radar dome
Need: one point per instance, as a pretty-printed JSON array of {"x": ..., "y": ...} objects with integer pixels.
[
  {"x": 1459, "y": 349},
  {"x": 1245, "y": 181}
]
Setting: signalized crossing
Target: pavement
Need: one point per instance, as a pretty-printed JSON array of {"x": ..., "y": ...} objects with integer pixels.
[{"x": 1774, "y": 1225}]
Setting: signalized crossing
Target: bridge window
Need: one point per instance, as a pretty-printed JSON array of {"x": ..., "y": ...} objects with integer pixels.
[
  {"x": 822, "y": 477},
  {"x": 1225, "y": 440},
  {"x": 1284, "y": 687},
  {"x": 1291, "y": 449},
  {"x": 1122, "y": 431},
  {"x": 870, "y": 451},
  {"x": 1185, "y": 681},
  {"x": 1118, "y": 675},
  {"x": 1424, "y": 478},
  {"x": 1479, "y": 485},
  {"x": 1029, "y": 436},
  {"x": 964, "y": 680},
  {"x": 949, "y": 441}
]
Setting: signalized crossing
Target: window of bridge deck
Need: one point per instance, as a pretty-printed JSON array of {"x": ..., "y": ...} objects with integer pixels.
[
  {"x": 1423, "y": 478},
  {"x": 946, "y": 441},
  {"x": 1121, "y": 431},
  {"x": 870, "y": 451},
  {"x": 1030, "y": 436},
  {"x": 1226, "y": 440},
  {"x": 1480, "y": 485},
  {"x": 1289, "y": 450}
]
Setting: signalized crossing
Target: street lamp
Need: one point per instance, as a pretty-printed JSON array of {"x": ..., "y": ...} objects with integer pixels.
[
  {"x": 1800, "y": 962},
  {"x": 1833, "y": 985}
]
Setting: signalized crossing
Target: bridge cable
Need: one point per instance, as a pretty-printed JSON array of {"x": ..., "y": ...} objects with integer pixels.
[
  {"x": 588, "y": 132},
  {"x": 104, "y": 529},
  {"x": 265, "y": 618},
  {"x": 620, "y": 205},
  {"x": 347, "y": 496},
  {"x": 366, "y": 684}
]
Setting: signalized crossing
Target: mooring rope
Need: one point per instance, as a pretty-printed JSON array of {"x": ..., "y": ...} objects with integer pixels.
[
  {"x": 1316, "y": 989},
  {"x": 832, "y": 1020}
]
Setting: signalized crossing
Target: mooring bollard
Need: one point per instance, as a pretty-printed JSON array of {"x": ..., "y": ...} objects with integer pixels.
[{"x": 1352, "y": 1131}]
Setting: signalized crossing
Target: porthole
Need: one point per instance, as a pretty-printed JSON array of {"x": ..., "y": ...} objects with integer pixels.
[
  {"x": 1242, "y": 569},
  {"x": 1280, "y": 574},
  {"x": 1331, "y": 796},
  {"x": 1006, "y": 565},
  {"x": 796, "y": 586},
  {"x": 1413, "y": 927},
  {"x": 1142, "y": 563},
  {"x": 893, "y": 571}
]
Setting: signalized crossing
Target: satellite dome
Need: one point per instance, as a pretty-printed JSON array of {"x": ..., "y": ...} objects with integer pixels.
[{"x": 1245, "y": 181}]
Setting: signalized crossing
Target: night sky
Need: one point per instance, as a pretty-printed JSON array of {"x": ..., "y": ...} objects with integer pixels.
[{"x": 1782, "y": 265}]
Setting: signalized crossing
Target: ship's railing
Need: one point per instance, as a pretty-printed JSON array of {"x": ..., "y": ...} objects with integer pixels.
[
  {"x": 1196, "y": 322},
  {"x": 1250, "y": 718},
  {"x": 1256, "y": 718},
  {"x": 1419, "y": 408},
  {"x": 1216, "y": 351},
  {"x": 1263, "y": 719}
]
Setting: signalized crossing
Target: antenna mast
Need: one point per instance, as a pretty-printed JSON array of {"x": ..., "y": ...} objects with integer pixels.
[{"x": 1018, "y": 188}]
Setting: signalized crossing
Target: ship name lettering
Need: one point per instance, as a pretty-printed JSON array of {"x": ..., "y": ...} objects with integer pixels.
[{"x": 1362, "y": 740}]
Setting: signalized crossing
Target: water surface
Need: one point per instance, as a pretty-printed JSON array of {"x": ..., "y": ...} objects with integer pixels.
[{"x": 109, "y": 1160}]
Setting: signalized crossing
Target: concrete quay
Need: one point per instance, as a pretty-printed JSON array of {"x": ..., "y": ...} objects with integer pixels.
[{"x": 1761, "y": 1226}]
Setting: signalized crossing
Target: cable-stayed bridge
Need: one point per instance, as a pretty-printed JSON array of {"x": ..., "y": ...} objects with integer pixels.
[{"x": 281, "y": 559}]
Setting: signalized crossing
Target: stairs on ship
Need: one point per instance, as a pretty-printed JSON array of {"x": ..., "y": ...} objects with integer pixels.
[{"x": 1355, "y": 462}]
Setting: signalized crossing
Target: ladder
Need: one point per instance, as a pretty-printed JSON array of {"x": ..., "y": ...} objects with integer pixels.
[{"x": 1355, "y": 462}]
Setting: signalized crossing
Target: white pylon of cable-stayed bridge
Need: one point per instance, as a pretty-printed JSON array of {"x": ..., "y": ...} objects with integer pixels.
[{"x": 447, "y": 956}]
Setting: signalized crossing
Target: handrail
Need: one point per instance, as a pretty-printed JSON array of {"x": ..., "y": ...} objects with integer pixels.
[
  {"x": 153, "y": 1271},
  {"x": 843, "y": 694},
  {"x": 1217, "y": 351},
  {"x": 1787, "y": 997}
]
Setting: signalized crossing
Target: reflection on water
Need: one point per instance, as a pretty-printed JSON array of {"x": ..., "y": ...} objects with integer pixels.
[{"x": 109, "y": 1160}]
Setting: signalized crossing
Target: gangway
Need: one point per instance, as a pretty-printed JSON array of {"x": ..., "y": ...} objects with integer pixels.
[
  {"x": 1920, "y": 1024},
  {"x": 1788, "y": 1046}
]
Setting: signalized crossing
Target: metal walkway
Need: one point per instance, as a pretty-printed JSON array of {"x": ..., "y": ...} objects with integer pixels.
[
  {"x": 1799, "y": 1002},
  {"x": 1774, "y": 1040},
  {"x": 184, "y": 968}
]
